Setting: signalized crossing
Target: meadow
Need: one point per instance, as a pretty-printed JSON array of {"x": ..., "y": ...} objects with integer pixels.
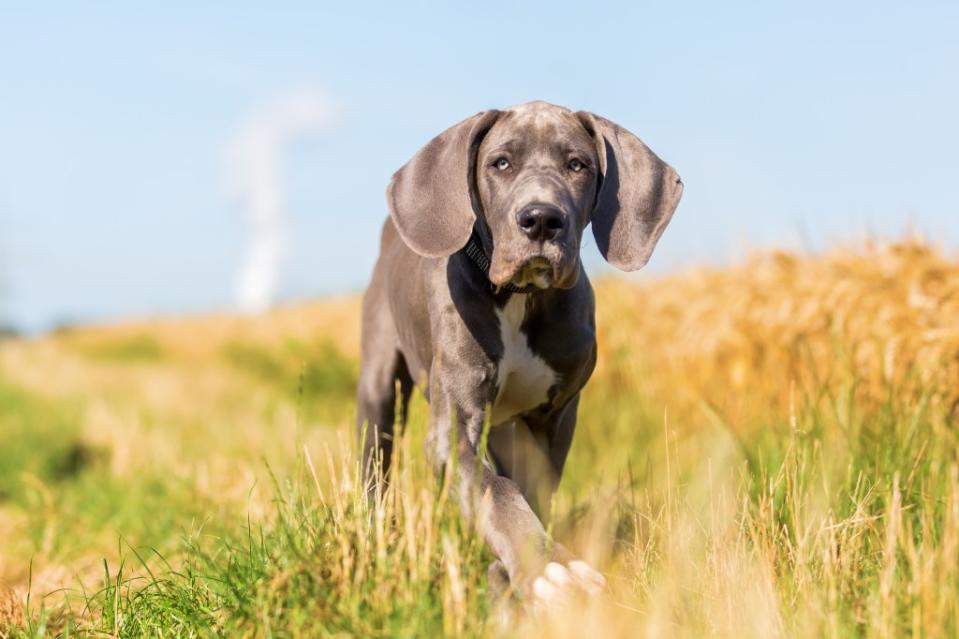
[{"x": 765, "y": 450}]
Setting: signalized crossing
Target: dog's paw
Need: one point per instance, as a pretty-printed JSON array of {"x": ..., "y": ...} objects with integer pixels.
[{"x": 559, "y": 582}]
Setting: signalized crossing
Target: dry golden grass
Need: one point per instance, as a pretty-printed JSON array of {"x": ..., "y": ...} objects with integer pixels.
[
  {"x": 765, "y": 450},
  {"x": 890, "y": 312}
]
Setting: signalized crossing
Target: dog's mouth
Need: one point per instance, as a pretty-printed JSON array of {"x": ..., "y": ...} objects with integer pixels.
[
  {"x": 550, "y": 268},
  {"x": 537, "y": 272}
]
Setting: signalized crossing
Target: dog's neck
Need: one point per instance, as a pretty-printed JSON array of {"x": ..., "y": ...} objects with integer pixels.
[{"x": 474, "y": 250}]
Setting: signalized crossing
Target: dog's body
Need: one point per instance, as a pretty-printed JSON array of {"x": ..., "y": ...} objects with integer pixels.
[{"x": 480, "y": 294}]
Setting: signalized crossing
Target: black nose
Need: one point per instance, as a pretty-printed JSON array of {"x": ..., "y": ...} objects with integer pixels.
[{"x": 541, "y": 222}]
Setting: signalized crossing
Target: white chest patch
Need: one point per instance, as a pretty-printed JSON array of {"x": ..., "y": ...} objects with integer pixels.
[{"x": 523, "y": 378}]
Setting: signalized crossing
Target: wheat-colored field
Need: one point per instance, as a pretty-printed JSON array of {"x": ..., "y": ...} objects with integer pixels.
[{"x": 764, "y": 450}]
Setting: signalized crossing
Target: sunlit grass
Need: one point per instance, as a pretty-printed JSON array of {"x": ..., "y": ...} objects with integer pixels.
[{"x": 766, "y": 450}]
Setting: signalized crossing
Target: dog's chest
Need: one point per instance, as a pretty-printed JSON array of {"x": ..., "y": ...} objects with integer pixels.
[{"x": 523, "y": 378}]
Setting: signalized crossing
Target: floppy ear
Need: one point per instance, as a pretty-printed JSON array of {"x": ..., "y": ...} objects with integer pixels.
[
  {"x": 431, "y": 197},
  {"x": 637, "y": 195}
]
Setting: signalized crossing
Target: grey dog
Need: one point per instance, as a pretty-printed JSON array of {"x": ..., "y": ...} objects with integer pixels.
[{"x": 480, "y": 296}]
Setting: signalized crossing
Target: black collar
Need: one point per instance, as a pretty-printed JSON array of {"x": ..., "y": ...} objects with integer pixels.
[{"x": 474, "y": 250}]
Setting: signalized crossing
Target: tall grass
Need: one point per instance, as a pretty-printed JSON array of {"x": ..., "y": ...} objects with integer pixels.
[{"x": 766, "y": 450}]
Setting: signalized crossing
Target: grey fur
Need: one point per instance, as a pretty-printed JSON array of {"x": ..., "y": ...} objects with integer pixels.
[{"x": 432, "y": 316}]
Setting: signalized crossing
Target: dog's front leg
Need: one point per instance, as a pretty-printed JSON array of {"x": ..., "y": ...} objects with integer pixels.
[
  {"x": 539, "y": 570},
  {"x": 493, "y": 503}
]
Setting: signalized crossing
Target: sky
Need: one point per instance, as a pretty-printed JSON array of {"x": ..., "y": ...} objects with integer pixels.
[{"x": 140, "y": 146}]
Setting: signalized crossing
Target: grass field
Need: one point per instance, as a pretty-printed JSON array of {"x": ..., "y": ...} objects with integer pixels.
[{"x": 765, "y": 450}]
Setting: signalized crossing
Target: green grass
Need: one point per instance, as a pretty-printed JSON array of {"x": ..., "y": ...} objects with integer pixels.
[
  {"x": 819, "y": 491},
  {"x": 39, "y": 440},
  {"x": 310, "y": 373},
  {"x": 133, "y": 349},
  {"x": 63, "y": 500}
]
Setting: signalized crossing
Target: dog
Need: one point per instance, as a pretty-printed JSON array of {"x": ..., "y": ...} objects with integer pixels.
[{"x": 479, "y": 295}]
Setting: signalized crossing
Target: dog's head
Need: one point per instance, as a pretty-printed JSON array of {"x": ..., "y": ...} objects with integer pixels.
[{"x": 531, "y": 178}]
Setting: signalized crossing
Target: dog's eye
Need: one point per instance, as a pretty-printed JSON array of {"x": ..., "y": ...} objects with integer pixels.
[
  {"x": 502, "y": 164},
  {"x": 576, "y": 166}
]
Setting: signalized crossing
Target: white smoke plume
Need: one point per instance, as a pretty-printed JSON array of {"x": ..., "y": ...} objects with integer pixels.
[{"x": 256, "y": 179}]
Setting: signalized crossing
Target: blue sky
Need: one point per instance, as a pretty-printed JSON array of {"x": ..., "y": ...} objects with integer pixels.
[{"x": 797, "y": 125}]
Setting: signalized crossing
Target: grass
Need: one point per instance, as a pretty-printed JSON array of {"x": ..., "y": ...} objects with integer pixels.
[{"x": 765, "y": 450}]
